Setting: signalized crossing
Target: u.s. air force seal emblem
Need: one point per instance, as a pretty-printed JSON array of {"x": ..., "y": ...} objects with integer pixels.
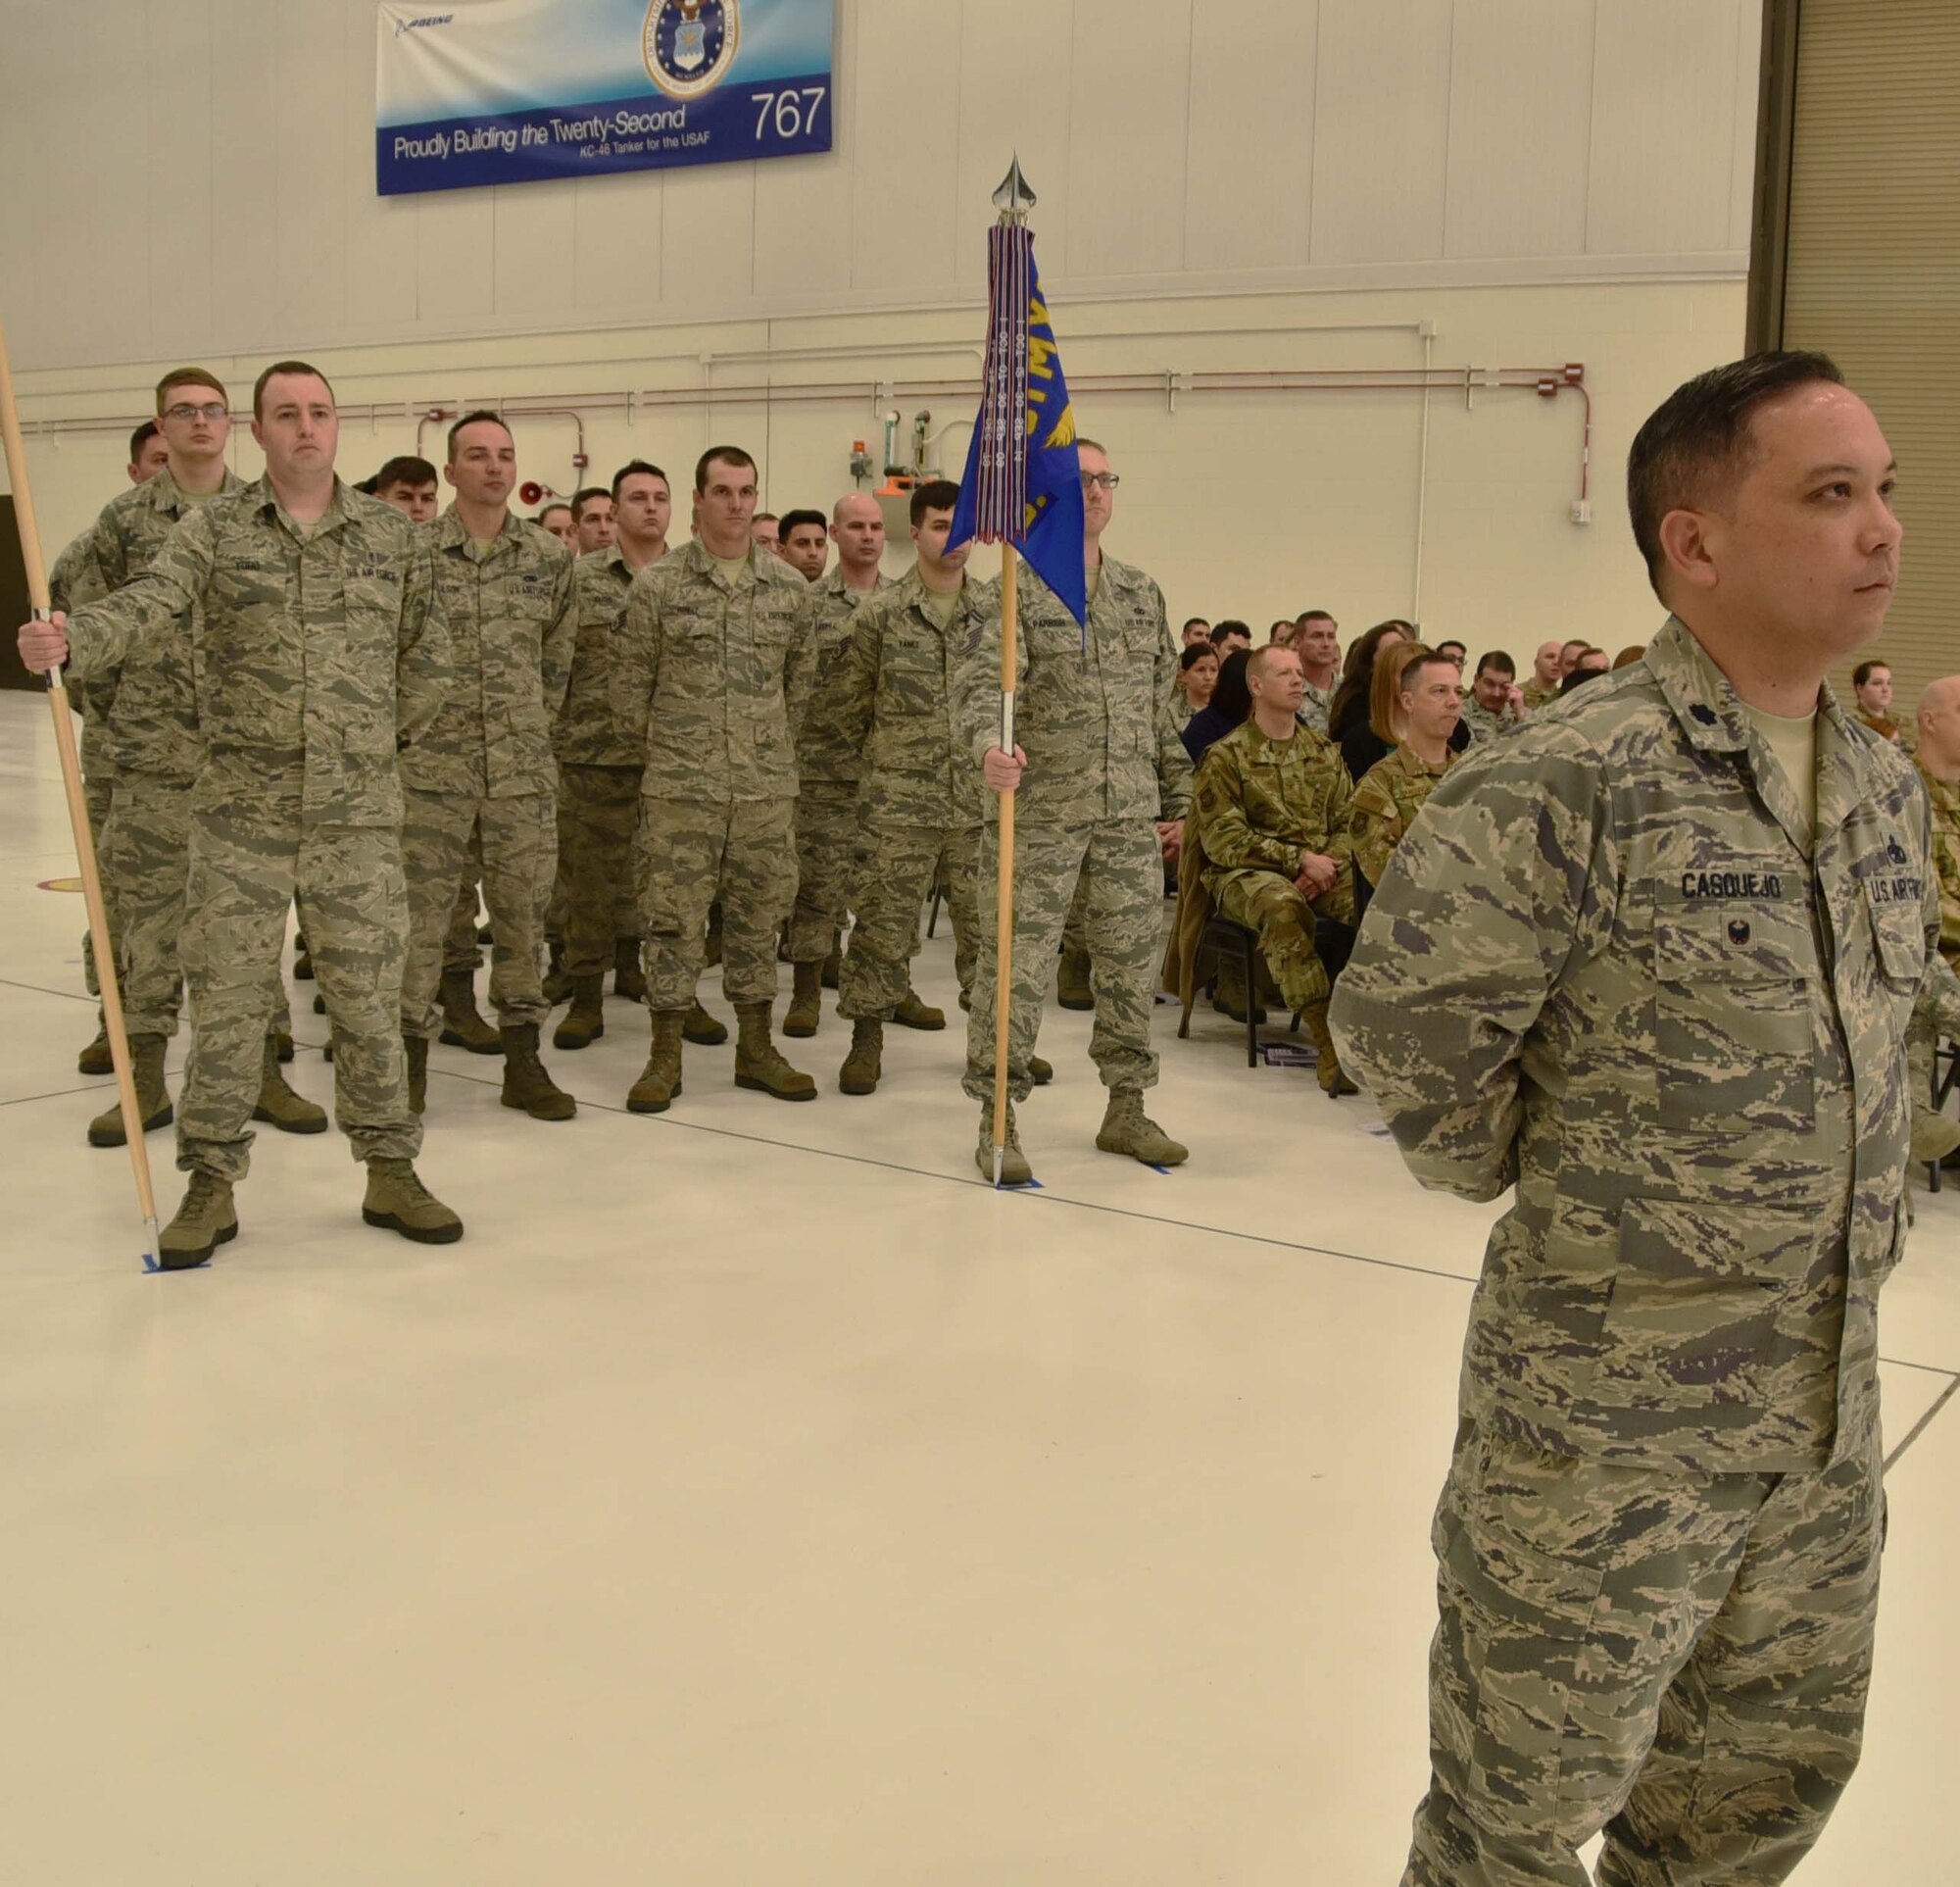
[{"x": 690, "y": 44}]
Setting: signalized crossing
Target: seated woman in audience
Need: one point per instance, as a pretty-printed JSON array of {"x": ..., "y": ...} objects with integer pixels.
[
  {"x": 1197, "y": 676},
  {"x": 1349, "y": 706},
  {"x": 1231, "y": 702}
]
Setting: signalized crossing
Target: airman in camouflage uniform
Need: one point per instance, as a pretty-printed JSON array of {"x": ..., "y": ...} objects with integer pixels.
[
  {"x": 1105, "y": 776},
  {"x": 1627, "y": 965},
  {"x": 1936, "y": 759},
  {"x": 317, "y": 652},
  {"x": 484, "y": 766},
  {"x": 918, "y": 817},
  {"x": 1273, "y": 813},
  {"x": 1387, "y": 799},
  {"x": 149, "y": 742},
  {"x": 1487, "y": 724},
  {"x": 715, "y": 677},
  {"x": 827, "y": 775}
]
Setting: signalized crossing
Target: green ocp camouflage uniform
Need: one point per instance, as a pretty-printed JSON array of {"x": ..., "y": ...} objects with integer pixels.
[
  {"x": 1262, "y": 804},
  {"x": 1387, "y": 799},
  {"x": 484, "y": 765},
  {"x": 1104, "y": 764},
  {"x": 827, "y": 779},
  {"x": 1609, "y": 968},
  {"x": 889, "y": 698},
  {"x": 1538, "y": 694},
  {"x": 1486, "y": 724},
  {"x": 601, "y": 759},
  {"x": 149, "y": 735},
  {"x": 716, "y": 678},
  {"x": 317, "y": 653}
]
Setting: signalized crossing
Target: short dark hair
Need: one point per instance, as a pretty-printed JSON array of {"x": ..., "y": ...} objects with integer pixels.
[
  {"x": 407, "y": 470},
  {"x": 189, "y": 377},
  {"x": 734, "y": 455},
  {"x": 1196, "y": 623},
  {"x": 1498, "y": 659},
  {"x": 1865, "y": 670},
  {"x": 936, "y": 494},
  {"x": 1197, "y": 652},
  {"x": 142, "y": 437},
  {"x": 285, "y": 367},
  {"x": 1574, "y": 642},
  {"x": 1451, "y": 642},
  {"x": 1414, "y": 666},
  {"x": 1230, "y": 626},
  {"x": 478, "y": 418},
  {"x": 584, "y": 496},
  {"x": 545, "y": 510},
  {"x": 1308, "y": 616},
  {"x": 797, "y": 519},
  {"x": 639, "y": 469},
  {"x": 1696, "y": 441},
  {"x": 766, "y": 517}
]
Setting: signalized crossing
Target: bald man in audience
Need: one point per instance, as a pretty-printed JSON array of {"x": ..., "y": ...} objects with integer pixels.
[{"x": 1547, "y": 671}]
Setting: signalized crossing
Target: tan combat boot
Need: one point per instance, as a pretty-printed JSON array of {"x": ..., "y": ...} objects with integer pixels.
[
  {"x": 1072, "y": 987},
  {"x": 585, "y": 1020},
  {"x": 700, "y": 1027},
  {"x": 805, "y": 999},
  {"x": 277, "y": 1104},
  {"x": 399, "y": 1201},
  {"x": 153, "y": 1099},
  {"x": 627, "y": 979},
  {"x": 659, "y": 1085},
  {"x": 205, "y": 1220},
  {"x": 97, "y": 1058},
  {"x": 758, "y": 1062},
  {"x": 461, "y": 1026},
  {"x": 1127, "y": 1128},
  {"x": 914, "y": 1013},
  {"x": 1014, "y": 1167},
  {"x": 416, "y": 1054},
  {"x": 526, "y": 1085},
  {"x": 1332, "y": 1084},
  {"x": 864, "y": 1064}
]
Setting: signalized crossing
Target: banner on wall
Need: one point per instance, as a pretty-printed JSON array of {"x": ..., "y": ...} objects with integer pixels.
[{"x": 511, "y": 92}]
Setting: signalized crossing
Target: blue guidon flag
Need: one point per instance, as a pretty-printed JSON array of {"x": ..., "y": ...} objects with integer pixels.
[{"x": 1023, "y": 484}]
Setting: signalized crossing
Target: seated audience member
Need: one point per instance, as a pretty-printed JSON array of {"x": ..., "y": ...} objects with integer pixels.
[
  {"x": 1231, "y": 702},
  {"x": 1454, "y": 651},
  {"x": 1569, "y": 651},
  {"x": 1631, "y": 653},
  {"x": 1198, "y": 677},
  {"x": 1586, "y": 665},
  {"x": 1317, "y": 642},
  {"x": 1545, "y": 672},
  {"x": 1936, "y": 754},
  {"x": 1283, "y": 633},
  {"x": 1391, "y": 792},
  {"x": 1229, "y": 635},
  {"x": 1269, "y": 824},
  {"x": 1497, "y": 704},
  {"x": 1872, "y": 684},
  {"x": 1349, "y": 706},
  {"x": 1198, "y": 629},
  {"x": 1362, "y": 745}
]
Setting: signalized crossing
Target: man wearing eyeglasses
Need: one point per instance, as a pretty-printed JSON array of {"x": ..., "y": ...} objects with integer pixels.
[
  {"x": 148, "y": 709},
  {"x": 1103, "y": 784}
]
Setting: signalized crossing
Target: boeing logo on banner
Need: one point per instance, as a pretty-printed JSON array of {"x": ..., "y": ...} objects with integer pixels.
[
  {"x": 690, "y": 44},
  {"x": 427, "y": 20}
]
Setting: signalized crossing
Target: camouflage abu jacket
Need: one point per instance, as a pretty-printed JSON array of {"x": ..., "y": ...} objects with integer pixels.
[
  {"x": 1603, "y": 967},
  {"x": 717, "y": 675},
  {"x": 588, "y": 731},
  {"x": 507, "y": 608},
  {"x": 1943, "y": 797},
  {"x": 820, "y": 757},
  {"x": 1389, "y": 796},
  {"x": 1092, "y": 709},
  {"x": 318, "y": 651},
  {"x": 889, "y": 699}
]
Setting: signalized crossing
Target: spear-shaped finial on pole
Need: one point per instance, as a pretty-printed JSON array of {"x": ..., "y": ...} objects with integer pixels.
[{"x": 1015, "y": 197}]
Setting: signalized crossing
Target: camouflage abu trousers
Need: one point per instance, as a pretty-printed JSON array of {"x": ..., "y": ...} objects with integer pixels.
[
  {"x": 460, "y": 948},
  {"x": 98, "y": 794},
  {"x": 1680, "y": 1660},
  {"x": 1120, "y": 864},
  {"x": 598, "y": 808},
  {"x": 741, "y": 854},
  {"x": 250, "y": 856},
  {"x": 826, "y": 839},
  {"x": 895, "y": 867},
  {"x": 519, "y": 854},
  {"x": 146, "y": 847},
  {"x": 1304, "y": 952}
]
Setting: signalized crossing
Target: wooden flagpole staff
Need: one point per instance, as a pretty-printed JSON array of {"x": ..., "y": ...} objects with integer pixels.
[{"x": 77, "y": 814}]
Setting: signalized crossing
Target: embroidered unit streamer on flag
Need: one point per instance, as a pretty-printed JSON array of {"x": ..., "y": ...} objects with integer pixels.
[{"x": 1023, "y": 484}]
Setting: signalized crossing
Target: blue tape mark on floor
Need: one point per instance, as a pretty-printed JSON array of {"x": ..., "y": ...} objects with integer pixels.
[{"x": 150, "y": 1264}]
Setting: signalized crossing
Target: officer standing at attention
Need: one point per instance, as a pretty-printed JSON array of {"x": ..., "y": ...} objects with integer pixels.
[
  {"x": 320, "y": 655},
  {"x": 827, "y": 771},
  {"x": 714, "y": 674},
  {"x": 484, "y": 766},
  {"x": 1652, "y": 961},
  {"x": 149, "y": 711},
  {"x": 1103, "y": 784}
]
